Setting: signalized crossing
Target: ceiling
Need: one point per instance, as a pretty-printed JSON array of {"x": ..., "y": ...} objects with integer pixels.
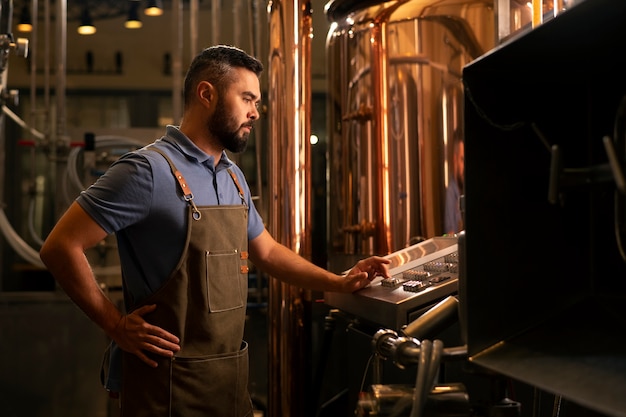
[{"x": 98, "y": 9}]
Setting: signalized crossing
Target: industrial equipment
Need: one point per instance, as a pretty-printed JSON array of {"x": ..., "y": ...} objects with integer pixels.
[
  {"x": 418, "y": 301},
  {"x": 421, "y": 275},
  {"x": 544, "y": 207},
  {"x": 395, "y": 106}
]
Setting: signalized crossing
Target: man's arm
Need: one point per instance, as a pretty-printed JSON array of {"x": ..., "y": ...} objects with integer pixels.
[
  {"x": 63, "y": 253},
  {"x": 284, "y": 264}
]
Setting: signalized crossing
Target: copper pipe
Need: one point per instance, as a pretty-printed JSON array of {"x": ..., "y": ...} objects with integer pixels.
[
  {"x": 289, "y": 181},
  {"x": 379, "y": 64}
]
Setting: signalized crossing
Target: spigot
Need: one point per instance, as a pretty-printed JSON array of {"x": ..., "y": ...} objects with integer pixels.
[
  {"x": 7, "y": 43},
  {"x": 13, "y": 96},
  {"x": 20, "y": 46}
]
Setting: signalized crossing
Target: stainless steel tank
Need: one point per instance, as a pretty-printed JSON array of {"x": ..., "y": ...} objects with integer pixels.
[{"x": 395, "y": 102}]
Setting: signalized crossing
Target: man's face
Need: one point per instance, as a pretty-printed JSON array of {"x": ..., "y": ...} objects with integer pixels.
[{"x": 236, "y": 111}]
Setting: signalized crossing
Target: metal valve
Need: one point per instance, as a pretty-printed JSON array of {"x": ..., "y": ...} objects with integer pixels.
[
  {"x": 7, "y": 43},
  {"x": 21, "y": 47}
]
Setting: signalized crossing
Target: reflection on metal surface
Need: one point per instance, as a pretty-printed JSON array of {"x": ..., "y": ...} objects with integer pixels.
[
  {"x": 421, "y": 275},
  {"x": 290, "y": 200},
  {"x": 394, "y": 105}
]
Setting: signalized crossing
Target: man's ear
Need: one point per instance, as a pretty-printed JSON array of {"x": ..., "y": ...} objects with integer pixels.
[{"x": 206, "y": 92}]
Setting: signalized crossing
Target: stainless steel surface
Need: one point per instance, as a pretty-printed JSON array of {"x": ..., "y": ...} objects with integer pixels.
[
  {"x": 394, "y": 105},
  {"x": 393, "y": 306},
  {"x": 289, "y": 199}
]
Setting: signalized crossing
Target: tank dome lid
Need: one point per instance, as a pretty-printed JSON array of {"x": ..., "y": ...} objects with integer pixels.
[{"x": 339, "y": 9}]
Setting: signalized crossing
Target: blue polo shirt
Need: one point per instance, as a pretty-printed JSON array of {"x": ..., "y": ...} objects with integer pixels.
[{"x": 140, "y": 201}]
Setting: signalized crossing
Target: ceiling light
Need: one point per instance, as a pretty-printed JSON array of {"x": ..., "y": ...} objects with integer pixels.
[
  {"x": 133, "y": 21},
  {"x": 26, "y": 24},
  {"x": 154, "y": 8},
  {"x": 86, "y": 25}
]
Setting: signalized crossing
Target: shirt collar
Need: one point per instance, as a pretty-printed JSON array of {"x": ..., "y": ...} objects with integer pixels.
[{"x": 187, "y": 147}]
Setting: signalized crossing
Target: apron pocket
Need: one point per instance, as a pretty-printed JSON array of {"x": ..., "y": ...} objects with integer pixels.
[
  {"x": 224, "y": 281},
  {"x": 214, "y": 385}
]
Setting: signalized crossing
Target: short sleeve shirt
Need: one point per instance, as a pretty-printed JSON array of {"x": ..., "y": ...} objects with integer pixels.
[{"x": 140, "y": 201}]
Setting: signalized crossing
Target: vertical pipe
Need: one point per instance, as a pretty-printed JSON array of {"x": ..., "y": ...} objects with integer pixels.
[
  {"x": 60, "y": 140},
  {"x": 383, "y": 238},
  {"x": 255, "y": 44},
  {"x": 537, "y": 16},
  {"x": 46, "y": 68},
  {"x": 379, "y": 64},
  {"x": 193, "y": 26},
  {"x": 216, "y": 15},
  {"x": 237, "y": 23},
  {"x": 33, "y": 62},
  {"x": 6, "y": 15},
  {"x": 503, "y": 18},
  {"x": 3, "y": 81},
  {"x": 289, "y": 212},
  {"x": 177, "y": 60},
  {"x": 61, "y": 55}
]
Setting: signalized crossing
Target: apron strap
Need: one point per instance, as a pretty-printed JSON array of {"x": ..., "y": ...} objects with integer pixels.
[
  {"x": 187, "y": 194},
  {"x": 182, "y": 183},
  {"x": 236, "y": 180}
]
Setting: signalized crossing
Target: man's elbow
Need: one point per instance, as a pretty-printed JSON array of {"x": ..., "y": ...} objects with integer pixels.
[
  {"x": 49, "y": 252},
  {"x": 45, "y": 252}
]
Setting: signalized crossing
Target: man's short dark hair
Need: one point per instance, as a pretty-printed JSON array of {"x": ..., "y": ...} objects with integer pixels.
[{"x": 214, "y": 64}]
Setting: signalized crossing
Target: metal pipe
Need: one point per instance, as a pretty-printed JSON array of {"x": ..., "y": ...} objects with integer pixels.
[
  {"x": 236, "y": 22},
  {"x": 46, "y": 68},
  {"x": 290, "y": 28},
  {"x": 436, "y": 319},
  {"x": 59, "y": 142},
  {"x": 61, "y": 54},
  {"x": 177, "y": 60},
  {"x": 216, "y": 15},
  {"x": 405, "y": 351},
  {"x": 33, "y": 62},
  {"x": 193, "y": 26},
  {"x": 255, "y": 45},
  {"x": 3, "y": 77}
]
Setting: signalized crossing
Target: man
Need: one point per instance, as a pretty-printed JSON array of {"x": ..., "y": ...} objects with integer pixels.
[
  {"x": 453, "y": 218},
  {"x": 185, "y": 226}
]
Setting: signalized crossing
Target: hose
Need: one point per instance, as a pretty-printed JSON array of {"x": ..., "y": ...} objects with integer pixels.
[
  {"x": 17, "y": 243},
  {"x": 21, "y": 247},
  {"x": 429, "y": 361},
  {"x": 420, "y": 382},
  {"x": 100, "y": 142},
  {"x": 22, "y": 123}
]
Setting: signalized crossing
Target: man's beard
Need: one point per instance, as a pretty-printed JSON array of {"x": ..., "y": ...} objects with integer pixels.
[{"x": 226, "y": 129}]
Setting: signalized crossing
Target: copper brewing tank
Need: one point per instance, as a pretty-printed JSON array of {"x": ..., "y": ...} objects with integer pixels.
[
  {"x": 395, "y": 100},
  {"x": 289, "y": 80}
]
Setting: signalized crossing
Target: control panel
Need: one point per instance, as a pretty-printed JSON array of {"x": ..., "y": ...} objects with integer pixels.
[{"x": 420, "y": 276}]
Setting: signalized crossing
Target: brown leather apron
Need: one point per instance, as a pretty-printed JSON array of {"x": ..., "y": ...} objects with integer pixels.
[{"x": 203, "y": 302}]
